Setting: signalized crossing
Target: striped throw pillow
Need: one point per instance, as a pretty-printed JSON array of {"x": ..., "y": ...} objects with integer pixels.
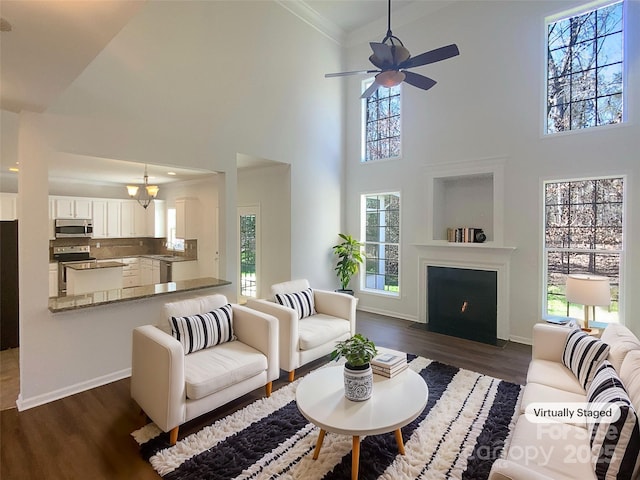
[
  {"x": 615, "y": 445},
  {"x": 302, "y": 302},
  {"x": 583, "y": 355},
  {"x": 203, "y": 330}
]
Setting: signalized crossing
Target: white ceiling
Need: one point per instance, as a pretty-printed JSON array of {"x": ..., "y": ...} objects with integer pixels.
[{"x": 52, "y": 41}]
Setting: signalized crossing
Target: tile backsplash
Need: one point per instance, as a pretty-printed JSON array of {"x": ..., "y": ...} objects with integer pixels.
[{"x": 104, "y": 248}]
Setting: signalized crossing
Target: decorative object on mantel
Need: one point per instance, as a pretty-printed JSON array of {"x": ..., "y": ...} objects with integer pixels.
[
  {"x": 350, "y": 257},
  {"x": 144, "y": 196},
  {"x": 358, "y": 375},
  {"x": 463, "y": 430},
  {"x": 466, "y": 235},
  {"x": 588, "y": 290},
  {"x": 392, "y": 59}
]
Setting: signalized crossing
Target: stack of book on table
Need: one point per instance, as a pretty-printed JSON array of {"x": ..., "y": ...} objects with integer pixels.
[{"x": 389, "y": 363}]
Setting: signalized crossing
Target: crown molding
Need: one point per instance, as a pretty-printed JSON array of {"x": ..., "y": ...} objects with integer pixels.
[{"x": 307, "y": 14}]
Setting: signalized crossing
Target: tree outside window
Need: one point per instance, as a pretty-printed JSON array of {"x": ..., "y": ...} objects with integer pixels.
[
  {"x": 583, "y": 234},
  {"x": 585, "y": 70},
  {"x": 382, "y": 124},
  {"x": 381, "y": 228}
]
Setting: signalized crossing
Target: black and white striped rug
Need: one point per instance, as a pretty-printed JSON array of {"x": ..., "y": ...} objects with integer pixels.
[{"x": 463, "y": 429}]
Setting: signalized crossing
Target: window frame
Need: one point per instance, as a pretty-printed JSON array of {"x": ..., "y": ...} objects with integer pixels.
[
  {"x": 363, "y": 126},
  {"x": 564, "y": 15},
  {"x": 250, "y": 210},
  {"x": 363, "y": 236},
  {"x": 621, "y": 252}
]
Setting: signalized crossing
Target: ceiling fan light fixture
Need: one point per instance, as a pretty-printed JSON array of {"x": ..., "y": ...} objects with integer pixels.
[{"x": 390, "y": 78}]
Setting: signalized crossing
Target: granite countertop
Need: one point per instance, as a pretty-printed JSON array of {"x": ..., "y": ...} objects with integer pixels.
[
  {"x": 94, "y": 265},
  {"x": 94, "y": 299},
  {"x": 168, "y": 258}
]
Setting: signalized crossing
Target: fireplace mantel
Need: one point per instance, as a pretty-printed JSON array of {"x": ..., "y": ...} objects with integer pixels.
[{"x": 481, "y": 246}]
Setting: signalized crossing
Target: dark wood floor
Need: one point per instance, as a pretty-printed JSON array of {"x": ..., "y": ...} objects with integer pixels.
[{"x": 87, "y": 436}]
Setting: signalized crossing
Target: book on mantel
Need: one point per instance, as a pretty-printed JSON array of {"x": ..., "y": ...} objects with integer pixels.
[{"x": 389, "y": 362}]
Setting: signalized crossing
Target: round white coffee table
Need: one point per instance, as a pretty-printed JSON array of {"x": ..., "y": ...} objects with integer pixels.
[{"x": 395, "y": 402}]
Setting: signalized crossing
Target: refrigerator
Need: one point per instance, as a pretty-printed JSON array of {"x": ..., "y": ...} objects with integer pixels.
[{"x": 9, "y": 284}]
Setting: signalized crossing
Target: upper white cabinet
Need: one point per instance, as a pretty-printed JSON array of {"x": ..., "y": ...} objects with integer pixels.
[
  {"x": 8, "y": 206},
  {"x": 133, "y": 219},
  {"x": 70, "y": 207},
  {"x": 186, "y": 218},
  {"x": 156, "y": 219},
  {"x": 106, "y": 218}
]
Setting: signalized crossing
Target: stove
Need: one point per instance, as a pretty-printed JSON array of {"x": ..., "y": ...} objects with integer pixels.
[{"x": 67, "y": 255}]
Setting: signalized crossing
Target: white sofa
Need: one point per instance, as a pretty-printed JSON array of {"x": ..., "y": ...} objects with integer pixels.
[
  {"x": 307, "y": 338},
  {"x": 561, "y": 450},
  {"x": 172, "y": 387}
]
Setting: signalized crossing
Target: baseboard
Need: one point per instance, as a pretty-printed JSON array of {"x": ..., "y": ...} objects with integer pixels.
[
  {"x": 517, "y": 339},
  {"x": 389, "y": 314},
  {"x": 25, "y": 404}
]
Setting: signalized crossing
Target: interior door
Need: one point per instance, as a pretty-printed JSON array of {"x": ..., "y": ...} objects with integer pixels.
[{"x": 9, "y": 285}]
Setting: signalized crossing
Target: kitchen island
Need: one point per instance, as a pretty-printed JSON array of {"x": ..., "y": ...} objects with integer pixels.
[
  {"x": 105, "y": 297},
  {"x": 91, "y": 276}
]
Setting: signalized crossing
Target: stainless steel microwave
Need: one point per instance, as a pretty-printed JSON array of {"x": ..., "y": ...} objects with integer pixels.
[{"x": 73, "y": 227}]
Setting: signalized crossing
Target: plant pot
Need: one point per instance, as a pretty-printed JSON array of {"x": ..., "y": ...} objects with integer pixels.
[
  {"x": 358, "y": 382},
  {"x": 347, "y": 291}
]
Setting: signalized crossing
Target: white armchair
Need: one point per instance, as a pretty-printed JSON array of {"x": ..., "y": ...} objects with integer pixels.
[
  {"x": 173, "y": 388},
  {"x": 303, "y": 340}
]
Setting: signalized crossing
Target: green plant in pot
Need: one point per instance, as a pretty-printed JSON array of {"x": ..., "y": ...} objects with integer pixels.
[
  {"x": 358, "y": 375},
  {"x": 350, "y": 257}
]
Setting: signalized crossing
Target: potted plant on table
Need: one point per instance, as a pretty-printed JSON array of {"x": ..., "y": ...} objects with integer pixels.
[
  {"x": 358, "y": 375},
  {"x": 350, "y": 257}
]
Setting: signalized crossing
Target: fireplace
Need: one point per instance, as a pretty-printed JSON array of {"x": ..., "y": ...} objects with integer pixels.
[{"x": 463, "y": 302}]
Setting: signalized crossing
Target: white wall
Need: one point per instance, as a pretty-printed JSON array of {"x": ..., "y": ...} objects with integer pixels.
[
  {"x": 488, "y": 103},
  {"x": 186, "y": 84},
  {"x": 269, "y": 189},
  {"x": 9, "y": 122}
]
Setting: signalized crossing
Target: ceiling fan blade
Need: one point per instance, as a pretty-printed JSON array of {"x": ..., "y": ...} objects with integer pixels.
[
  {"x": 382, "y": 54},
  {"x": 432, "y": 56},
  {"x": 344, "y": 74},
  {"x": 420, "y": 81},
  {"x": 371, "y": 90}
]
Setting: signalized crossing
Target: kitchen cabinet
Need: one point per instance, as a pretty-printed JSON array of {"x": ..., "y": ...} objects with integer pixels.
[
  {"x": 130, "y": 272},
  {"x": 53, "y": 279},
  {"x": 186, "y": 218},
  {"x": 133, "y": 219},
  {"x": 185, "y": 270},
  {"x": 149, "y": 271},
  {"x": 52, "y": 216},
  {"x": 70, "y": 207},
  {"x": 8, "y": 206},
  {"x": 106, "y": 218},
  {"x": 156, "y": 219}
]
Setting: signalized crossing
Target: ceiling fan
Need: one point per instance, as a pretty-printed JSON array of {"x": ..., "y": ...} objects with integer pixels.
[{"x": 392, "y": 60}]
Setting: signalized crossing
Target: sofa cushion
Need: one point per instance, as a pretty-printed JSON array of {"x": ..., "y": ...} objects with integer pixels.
[
  {"x": 214, "y": 369},
  {"x": 630, "y": 376},
  {"x": 538, "y": 393},
  {"x": 320, "y": 329},
  {"x": 203, "y": 330},
  {"x": 615, "y": 445},
  {"x": 554, "y": 450},
  {"x": 583, "y": 355},
  {"x": 553, "y": 374},
  {"x": 621, "y": 341},
  {"x": 302, "y": 302}
]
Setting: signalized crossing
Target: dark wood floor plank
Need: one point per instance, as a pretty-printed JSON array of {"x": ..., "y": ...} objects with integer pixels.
[{"x": 88, "y": 435}]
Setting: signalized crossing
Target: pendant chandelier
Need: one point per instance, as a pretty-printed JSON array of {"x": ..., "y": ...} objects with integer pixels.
[{"x": 144, "y": 196}]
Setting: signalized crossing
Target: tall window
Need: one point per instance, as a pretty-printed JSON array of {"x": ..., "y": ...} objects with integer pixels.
[
  {"x": 381, "y": 231},
  {"x": 248, "y": 261},
  {"x": 585, "y": 69},
  {"x": 381, "y": 124},
  {"x": 583, "y": 234},
  {"x": 173, "y": 243}
]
